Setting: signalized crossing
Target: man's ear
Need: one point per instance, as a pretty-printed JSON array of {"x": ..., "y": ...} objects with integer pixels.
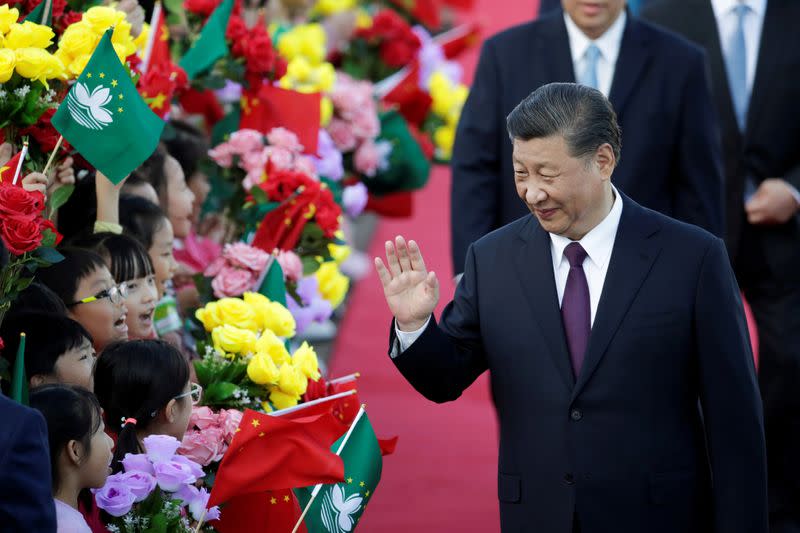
[
  {"x": 37, "y": 380},
  {"x": 605, "y": 160}
]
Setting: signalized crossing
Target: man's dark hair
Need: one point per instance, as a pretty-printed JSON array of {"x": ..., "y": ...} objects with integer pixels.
[{"x": 580, "y": 114}]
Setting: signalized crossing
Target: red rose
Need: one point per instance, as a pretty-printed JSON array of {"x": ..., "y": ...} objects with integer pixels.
[
  {"x": 48, "y": 224},
  {"x": 44, "y": 133},
  {"x": 16, "y": 201},
  {"x": 58, "y": 7},
  {"x": 20, "y": 233},
  {"x": 398, "y": 52},
  {"x": 259, "y": 55},
  {"x": 201, "y": 7},
  {"x": 237, "y": 34},
  {"x": 67, "y": 19},
  {"x": 389, "y": 25}
]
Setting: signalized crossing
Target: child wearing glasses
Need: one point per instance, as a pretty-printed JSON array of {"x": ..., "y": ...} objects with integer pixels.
[
  {"x": 129, "y": 264},
  {"x": 57, "y": 350},
  {"x": 80, "y": 450},
  {"x": 144, "y": 389},
  {"x": 92, "y": 297}
]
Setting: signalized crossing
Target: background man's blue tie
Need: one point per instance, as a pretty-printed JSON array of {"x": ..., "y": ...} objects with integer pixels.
[
  {"x": 589, "y": 76},
  {"x": 575, "y": 307},
  {"x": 736, "y": 62}
]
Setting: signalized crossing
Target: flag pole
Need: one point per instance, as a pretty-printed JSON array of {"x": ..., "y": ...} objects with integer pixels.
[
  {"x": 18, "y": 385},
  {"x": 345, "y": 379},
  {"x": 45, "y": 12},
  {"x": 20, "y": 162},
  {"x": 200, "y": 522},
  {"x": 316, "y": 490},
  {"x": 53, "y": 154},
  {"x": 312, "y": 403},
  {"x": 155, "y": 18}
]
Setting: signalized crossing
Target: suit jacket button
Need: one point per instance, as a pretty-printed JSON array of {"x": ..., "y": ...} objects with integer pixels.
[
  {"x": 575, "y": 415},
  {"x": 569, "y": 479}
]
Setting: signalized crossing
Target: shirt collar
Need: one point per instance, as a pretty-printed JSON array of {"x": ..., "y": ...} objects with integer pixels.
[
  {"x": 599, "y": 242},
  {"x": 608, "y": 43},
  {"x": 723, "y": 7}
]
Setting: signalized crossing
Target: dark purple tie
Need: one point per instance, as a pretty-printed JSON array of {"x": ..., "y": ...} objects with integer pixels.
[{"x": 575, "y": 310}]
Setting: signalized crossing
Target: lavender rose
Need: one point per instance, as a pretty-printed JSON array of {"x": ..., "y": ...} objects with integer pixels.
[
  {"x": 115, "y": 497},
  {"x": 160, "y": 448},
  {"x": 137, "y": 463},
  {"x": 172, "y": 475},
  {"x": 139, "y": 483}
]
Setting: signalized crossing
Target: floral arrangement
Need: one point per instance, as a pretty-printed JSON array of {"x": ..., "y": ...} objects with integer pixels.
[
  {"x": 29, "y": 237},
  {"x": 448, "y": 99},
  {"x": 156, "y": 491},
  {"x": 209, "y": 434},
  {"x": 238, "y": 270},
  {"x": 245, "y": 360}
]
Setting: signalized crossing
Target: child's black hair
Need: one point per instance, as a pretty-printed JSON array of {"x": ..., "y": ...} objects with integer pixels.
[
  {"x": 140, "y": 218},
  {"x": 188, "y": 145},
  {"x": 64, "y": 277},
  {"x": 125, "y": 256}
]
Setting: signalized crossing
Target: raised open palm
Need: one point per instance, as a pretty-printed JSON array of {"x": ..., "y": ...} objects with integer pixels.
[{"x": 410, "y": 290}]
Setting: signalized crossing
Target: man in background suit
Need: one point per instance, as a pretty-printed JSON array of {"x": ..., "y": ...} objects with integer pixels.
[
  {"x": 603, "y": 325},
  {"x": 754, "y": 52},
  {"x": 546, "y": 6},
  {"x": 657, "y": 84}
]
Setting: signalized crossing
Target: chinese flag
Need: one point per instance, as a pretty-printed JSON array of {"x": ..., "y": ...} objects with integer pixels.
[
  {"x": 425, "y": 11},
  {"x": 396, "y": 205},
  {"x": 271, "y": 453},
  {"x": 7, "y": 171},
  {"x": 203, "y": 103},
  {"x": 455, "y": 41},
  {"x": 268, "y": 107},
  {"x": 274, "y": 511},
  {"x": 160, "y": 55},
  {"x": 412, "y": 101}
]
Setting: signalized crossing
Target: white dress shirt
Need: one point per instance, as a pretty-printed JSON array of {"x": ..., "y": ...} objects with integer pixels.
[
  {"x": 598, "y": 243},
  {"x": 609, "y": 44},
  {"x": 727, "y": 22}
]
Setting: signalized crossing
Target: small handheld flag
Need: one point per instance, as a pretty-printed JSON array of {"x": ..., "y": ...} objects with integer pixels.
[{"x": 19, "y": 382}]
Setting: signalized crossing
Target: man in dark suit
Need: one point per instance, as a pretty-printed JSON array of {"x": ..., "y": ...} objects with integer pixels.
[
  {"x": 615, "y": 337},
  {"x": 546, "y": 6},
  {"x": 657, "y": 83},
  {"x": 754, "y": 52}
]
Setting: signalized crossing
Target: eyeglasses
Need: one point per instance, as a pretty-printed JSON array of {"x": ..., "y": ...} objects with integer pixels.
[
  {"x": 116, "y": 294},
  {"x": 196, "y": 392}
]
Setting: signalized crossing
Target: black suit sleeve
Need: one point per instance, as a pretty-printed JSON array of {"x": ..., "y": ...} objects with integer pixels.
[
  {"x": 447, "y": 358},
  {"x": 699, "y": 188},
  {"x": 26, "y": 496},
  {"x": 730, "y": 400},
  {"x": 474, "y": 193}
]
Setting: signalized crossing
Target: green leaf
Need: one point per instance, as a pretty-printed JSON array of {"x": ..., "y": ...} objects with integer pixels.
[
  {"x": 50, "y": 255},
  {"x": 259, "y": 195},
  {"x": 23, "y": 283},
  {"x": 205, "y": 374},
  {"x": 310, "y": 265},
  {"x": 217, "y": 392}
]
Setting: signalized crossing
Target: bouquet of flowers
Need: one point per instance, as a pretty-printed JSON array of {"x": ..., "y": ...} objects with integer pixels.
[
  {"x": 448, "y": 99},
  {"x": 156, "y": 491},
  {"x": 29, "y": 237},
  {"x": 238, "y": 270},
  {"x": 245, "y": 360},
  {"x": 209, "y": 435}
]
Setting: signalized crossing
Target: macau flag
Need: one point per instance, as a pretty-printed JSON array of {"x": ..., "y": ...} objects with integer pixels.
[
  {"x": 338, "y": 508},
  {"x": 210, "y": 44},
  {"x": 104, "y": 117}
]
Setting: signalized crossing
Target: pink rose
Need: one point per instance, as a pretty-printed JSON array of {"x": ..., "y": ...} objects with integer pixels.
[
  {"x": 255, "y": 160},
  {"x": 342, "y": 134},
  {"x": 214, "y": 268},
  {"x": 281, "y": 157},
  {"x": 232, "y": 282},
  {"x": 246, "y": 256},
  {"x": 246, "y": 140},
  {"x": 285, "y": 139},
  {"x": 252, "y": 179},
  {"x": 203, "y": 447},
  {"x": 291, "y": 265},
  {"x": 367, "y": 158},
  {"x": 229, "y": 422},
  {"x": 203, "y": 417},
  {"x": 306, "y": 165},
  {"x": 366, "y": 125},
  {"x": 222, "y": 155}
]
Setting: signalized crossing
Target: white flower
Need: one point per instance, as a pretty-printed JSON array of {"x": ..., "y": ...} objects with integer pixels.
[
  {"x": 3, "y": 93},
  {"x": 22, "y": 91}
]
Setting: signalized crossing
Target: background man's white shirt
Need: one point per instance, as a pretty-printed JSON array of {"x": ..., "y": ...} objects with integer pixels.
[{"x": 609, "y": 44}]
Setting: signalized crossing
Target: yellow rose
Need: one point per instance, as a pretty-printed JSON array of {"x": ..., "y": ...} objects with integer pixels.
[
  {"x": 272, "y": 316},
  {"x": 339, "y": 252},
  {"x": 122, "y": 37},
  {"x": 78, "y": 64},
  {"x": 236, "y": 312},
  {"x": 281, "y": 400},
  {"x": 305, "y": 360},
  {"x": 8, "y": 60},
  {"x": 38, "y": 64},
  {"x": 262, "y": 370},
  {"x": 77, "y": 40},
  {"x": 100, "y": 18},
  {"x": 270, "y": 345},
  {"x": 230, "y": 339},
  {"x": 8, "y": 16},
  {"x": 141, "y": 40},
  {"x": 299, "y": 69},
  {"x": 331, "y": 7},
  {"x": 209, "y": 316},
  {"x": 333, "y": 284},
  {"x": 29, "y": 35},
  {"x": 292, "y": 381},
  {"x": 363, "y": 19},
  {"x": 325, "y": 111},
  {"x": 444, "y": 137},
  {"x": 289, "y": 45}
]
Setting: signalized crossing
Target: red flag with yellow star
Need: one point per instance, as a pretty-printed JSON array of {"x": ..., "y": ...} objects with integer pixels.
[
  {"x": 272, "y": 453},
  {"x": 267, "y": 107},
  {"x": 274, "y": 511},
  {"x": 7, "y": 171},
  {"x": 159, "y": 54}
]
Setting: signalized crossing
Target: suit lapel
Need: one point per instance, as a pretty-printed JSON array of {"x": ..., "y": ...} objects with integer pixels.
[
  {"x": 534, "y": 266},
  {"x": 553, "y": 49},
  {"x": 634, "y": 58},
  {"x": 771, "y": 48},
  {"x": 631, "y": 259}
]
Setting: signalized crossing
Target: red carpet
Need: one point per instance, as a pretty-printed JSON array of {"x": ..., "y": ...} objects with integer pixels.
[{"x": 443, "y": 476}]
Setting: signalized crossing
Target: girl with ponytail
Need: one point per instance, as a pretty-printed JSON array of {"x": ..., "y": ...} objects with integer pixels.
[{"x": 144, "y": 389}]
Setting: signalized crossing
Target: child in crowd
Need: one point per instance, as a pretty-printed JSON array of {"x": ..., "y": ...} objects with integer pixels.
[
  {"x": 137, "y": 186},
  {"x": 57, "y": 349},
  {"x": 92, "y": 297},
  {"x": 80, "y": 450},
  {"x": 144, "y": 389},
  {"x": 189, "y": 147},
  {"x": 129, "y": 264},
  {"x": 164, "y": 173}
]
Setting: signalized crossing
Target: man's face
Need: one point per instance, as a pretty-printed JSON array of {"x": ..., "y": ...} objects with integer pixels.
[
  {"x": 593, "y": 17},
  {"x": 566, "y": 194}
]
